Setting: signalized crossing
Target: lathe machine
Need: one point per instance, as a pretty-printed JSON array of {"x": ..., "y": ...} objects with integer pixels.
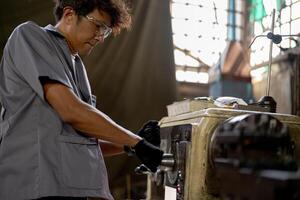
[{"x": 221, "y": 153}]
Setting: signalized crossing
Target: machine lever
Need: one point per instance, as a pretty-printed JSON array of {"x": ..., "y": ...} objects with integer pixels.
[{"x": 167, "y": 164}]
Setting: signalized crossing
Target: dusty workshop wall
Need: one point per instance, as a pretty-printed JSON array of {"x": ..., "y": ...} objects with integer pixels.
[{"x": 280, "y": 88}]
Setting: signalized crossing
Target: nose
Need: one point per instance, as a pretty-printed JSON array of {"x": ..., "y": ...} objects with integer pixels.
[{"x": 99, "y": 38}]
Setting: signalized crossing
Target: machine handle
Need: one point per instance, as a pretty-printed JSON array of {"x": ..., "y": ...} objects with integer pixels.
[{"x": 167, "y": 164}]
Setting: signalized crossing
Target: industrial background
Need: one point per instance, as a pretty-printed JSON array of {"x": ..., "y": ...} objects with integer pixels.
[{"x": 181, "y": 49}]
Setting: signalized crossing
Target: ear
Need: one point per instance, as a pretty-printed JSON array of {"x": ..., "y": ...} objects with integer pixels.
[{"x": 69, "y": 15}]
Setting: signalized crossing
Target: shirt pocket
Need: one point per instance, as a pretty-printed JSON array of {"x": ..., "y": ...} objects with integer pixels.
[{"x": 80, "y": 162}]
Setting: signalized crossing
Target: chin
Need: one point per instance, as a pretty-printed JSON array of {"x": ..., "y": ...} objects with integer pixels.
[{"x": 85, "y": 52}]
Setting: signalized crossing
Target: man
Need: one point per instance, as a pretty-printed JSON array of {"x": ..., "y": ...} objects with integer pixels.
[{"x": 50, "y": 128}]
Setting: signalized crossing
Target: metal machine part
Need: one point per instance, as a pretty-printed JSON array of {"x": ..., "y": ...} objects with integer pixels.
[
  {"x": 252, "y": 140},
  {"x": 252, "y": 156},
  {"x": 167, "y": 163},
  {"x": 175, "y": 142},
  {"x": 189, "y": 138},
  {"x": 267, "y": 102}
]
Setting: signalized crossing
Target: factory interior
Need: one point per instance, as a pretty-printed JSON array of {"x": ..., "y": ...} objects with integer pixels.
[{"x": 222, "y": 77}]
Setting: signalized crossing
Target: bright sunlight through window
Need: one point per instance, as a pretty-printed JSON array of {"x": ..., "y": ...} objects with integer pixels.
[
  {"x": 287, "y": 22},
  {"x": 199, "y": 34}
]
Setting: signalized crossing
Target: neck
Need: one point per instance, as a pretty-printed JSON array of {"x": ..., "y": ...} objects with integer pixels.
[
  {"x": 73, "y": 51},
  {"x": 63, "y": 31}
]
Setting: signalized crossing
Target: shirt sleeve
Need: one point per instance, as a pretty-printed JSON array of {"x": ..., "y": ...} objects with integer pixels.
[{"x": 34, "y": 57}]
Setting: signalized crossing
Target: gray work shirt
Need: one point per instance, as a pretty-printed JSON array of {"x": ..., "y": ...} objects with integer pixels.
[{"x": 40, "y": 155}]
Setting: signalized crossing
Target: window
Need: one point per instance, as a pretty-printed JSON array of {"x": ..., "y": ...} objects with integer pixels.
[
  {"x": 287, "y": 22},
  {"x": 201, "y": 29}
]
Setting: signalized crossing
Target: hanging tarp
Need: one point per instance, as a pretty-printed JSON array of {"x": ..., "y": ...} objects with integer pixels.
[
  {"x": 257, "y": 10},
  {"x": 280, "y": 4}
]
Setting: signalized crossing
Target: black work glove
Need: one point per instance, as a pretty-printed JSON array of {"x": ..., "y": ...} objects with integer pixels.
[
  {"x": 148, "y": 154},
  {"x": 150, "y": 132}
]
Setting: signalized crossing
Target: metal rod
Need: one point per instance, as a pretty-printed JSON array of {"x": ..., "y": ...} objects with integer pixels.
[
  {"x": 255, "y": 39},
  {"x": 270, "y": 56},
  {"x": 297, "y": 35}
]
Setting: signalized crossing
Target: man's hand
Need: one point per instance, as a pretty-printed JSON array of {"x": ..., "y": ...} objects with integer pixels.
[
  {"x": 148, "y": 154},
  {"x": 150, "y": 132}
]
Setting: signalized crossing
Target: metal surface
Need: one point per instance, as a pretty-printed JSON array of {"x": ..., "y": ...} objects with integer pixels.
[
  {"x": 252, "y": 156},
  {"x": 167, "y": 163},
  {"x": 270, "y": 56},
  {"x": 252, "y": 140},
  {"x": 188, "y": 137}
]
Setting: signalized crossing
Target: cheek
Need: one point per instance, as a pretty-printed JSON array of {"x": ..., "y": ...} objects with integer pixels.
[{"x": 85, "y": 36}]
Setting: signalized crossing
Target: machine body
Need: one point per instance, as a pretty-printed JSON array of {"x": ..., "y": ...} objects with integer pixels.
[{"x": 188, "y": 140}]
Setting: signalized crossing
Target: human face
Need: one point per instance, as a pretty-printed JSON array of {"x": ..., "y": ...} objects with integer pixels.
[
  {"x": 84, "y": 33},
  {"x": 103, "y": 30}
]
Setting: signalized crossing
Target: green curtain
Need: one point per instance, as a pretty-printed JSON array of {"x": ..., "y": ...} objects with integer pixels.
[
  {"x": 280, "y": 4},
  {"x": 257, "y": 10}
]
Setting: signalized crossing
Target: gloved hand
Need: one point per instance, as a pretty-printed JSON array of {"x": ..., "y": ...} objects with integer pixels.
[
  {"x": 148, "y": 154},
  {"x": 150, "y": 132}
]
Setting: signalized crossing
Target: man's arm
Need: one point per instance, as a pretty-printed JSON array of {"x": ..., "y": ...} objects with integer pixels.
[
  {"x": 85, "y": 118},
  {"x": 110, "y": 149}
]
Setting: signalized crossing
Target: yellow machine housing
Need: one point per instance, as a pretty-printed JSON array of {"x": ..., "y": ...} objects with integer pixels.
[{"x": 194, "y": 167}]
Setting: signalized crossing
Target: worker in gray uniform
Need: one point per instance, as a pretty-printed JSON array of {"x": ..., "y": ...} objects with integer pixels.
[{"x": 50, "y": 130}]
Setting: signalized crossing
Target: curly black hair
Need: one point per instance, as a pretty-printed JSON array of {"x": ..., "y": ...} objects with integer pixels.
[{"x": 117, "y": 9}]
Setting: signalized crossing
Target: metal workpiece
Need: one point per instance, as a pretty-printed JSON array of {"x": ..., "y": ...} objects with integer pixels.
[{"x": 167, "y": 163}]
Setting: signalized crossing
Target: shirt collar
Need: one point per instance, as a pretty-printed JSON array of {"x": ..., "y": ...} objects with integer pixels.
[{"x": 54, "y": 30}]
